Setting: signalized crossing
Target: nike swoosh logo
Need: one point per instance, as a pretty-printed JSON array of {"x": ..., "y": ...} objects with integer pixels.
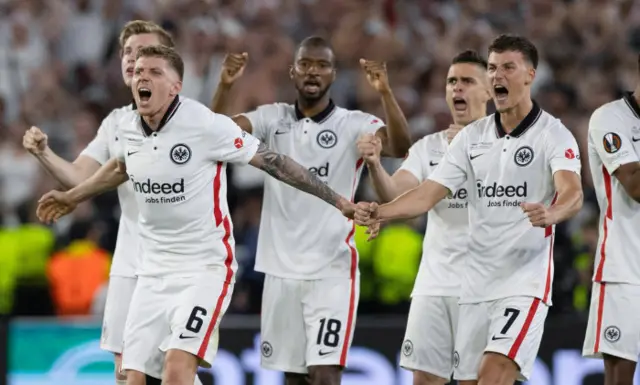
[
  {"x": 321, "y": 353},
  {"x": 472, "y": 157},
  {"x": 131, "y": 153},
  {"x": 635, "y": 139},
  {"x": 186, "y": 337},
  {"x": 494, "y": 338},
  {"x": 281, "y": 132},
  {"x": 433, "y": 164}
]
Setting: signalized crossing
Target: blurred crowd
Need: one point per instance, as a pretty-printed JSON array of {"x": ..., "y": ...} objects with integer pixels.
[{"x": 59, "y": 70}]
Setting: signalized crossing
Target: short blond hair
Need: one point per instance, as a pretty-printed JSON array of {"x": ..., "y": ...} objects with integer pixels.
[
  {"x": 139, "y": 27},
  {"x": 167, "y": 53}
]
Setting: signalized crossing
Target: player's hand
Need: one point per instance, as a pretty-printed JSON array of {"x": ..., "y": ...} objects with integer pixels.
[
  {"x": 376, "y": 74},
  {"x": 233, "y": 67},
  {"x": 452, "y": 131},
  {"x": 369, "y": 148},
  {"x": 539, "y": 215},
  {"x": 347, "y": 208},
  {"x": 366, "y": 213},
  {"x": 35, "y": 141},
  {"x": 54, "y": 205},
  {"x": 373, "y": 231}
]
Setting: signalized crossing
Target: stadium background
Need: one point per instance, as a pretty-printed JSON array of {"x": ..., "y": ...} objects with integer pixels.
[{"x": 59, "y": 70}]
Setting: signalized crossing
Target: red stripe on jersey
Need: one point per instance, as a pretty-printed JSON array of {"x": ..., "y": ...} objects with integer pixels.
[
  {"x": 353, "y": 271},
  {"x": 217, "y": 180},
  {"x": 606, "y": 178},
  {"x": 513, "y": 352},
  {"x": 596, "y": 345},
  {"x": 548, "y": 232},
  {"x": 225, "y": 288}
]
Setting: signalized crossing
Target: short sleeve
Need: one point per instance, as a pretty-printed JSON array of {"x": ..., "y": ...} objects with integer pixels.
[
  {"x": 370, "y": 124},
  {"x": 415, "y": 161},
  {"x": 564, "y": 154},
  {"x": 228, "y": 143},
  {"x": 261, "y": 119},
  {"x": 98, "y": 148},
  {"x": 610, "y": 138},
  {"x": 453, "y": 168}
]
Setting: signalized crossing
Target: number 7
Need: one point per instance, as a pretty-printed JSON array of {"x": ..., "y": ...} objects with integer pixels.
[{"x": 512, "y": 314}]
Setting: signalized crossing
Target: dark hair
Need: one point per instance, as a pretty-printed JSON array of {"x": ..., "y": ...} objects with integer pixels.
[
  {"x": 516, "y": 43},
  {"x": 166, "y": 53},
  {"x": 315, "y": 42},
  {"x": 139, "y": 27},
  {"x": 470, "y": 56}
]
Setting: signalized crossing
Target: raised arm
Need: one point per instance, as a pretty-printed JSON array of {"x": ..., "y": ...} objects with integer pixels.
[
  {"x": 395, "y": 136},
  {"x": 232, "y": 69},
  {"x": 288, "y": 171},
  {"x": 68, "y": 174}
]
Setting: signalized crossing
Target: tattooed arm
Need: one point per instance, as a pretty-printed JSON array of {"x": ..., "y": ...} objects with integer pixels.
[{"x": 288, "y": 171}]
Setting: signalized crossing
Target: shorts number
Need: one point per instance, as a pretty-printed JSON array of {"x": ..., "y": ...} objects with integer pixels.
[
  {"x": 329, "y": 337},
  {"x": 194, "y": 324},
  {"x": 512, "y": 314}
]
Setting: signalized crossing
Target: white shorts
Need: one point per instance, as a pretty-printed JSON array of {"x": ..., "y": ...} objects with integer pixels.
[
  {"x": 174, "y": 313},
  {"x": 614, "y": 321},
  {"x": 511, "y": 326},
  {"x": 430, "y": 337},
  {"x": 115, "y": 312},
  {"x": 307, "y": 323}
]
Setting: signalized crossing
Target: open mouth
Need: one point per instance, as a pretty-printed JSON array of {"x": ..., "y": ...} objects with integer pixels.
[
  {"x": 500, "y": 91},
  {"x": 311, "y": 86},
  {"x": 144, "y": 94},
  {"x": 130, "y": 71},
  {"x": 459, "y": 104}
]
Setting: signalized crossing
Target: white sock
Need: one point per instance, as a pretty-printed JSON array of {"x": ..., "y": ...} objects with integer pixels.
[
  {"x": 197, "y": 380},
  {"x": 121, "y": 382}
]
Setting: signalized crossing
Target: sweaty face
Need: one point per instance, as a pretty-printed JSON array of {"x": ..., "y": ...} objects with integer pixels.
[
  {"x": 155, "y": 84},
  {"x": 313, "y": 72},
  {"x": 467, "y": 92},
  {"x": 130, "y": 50},
  {"x": 510, "y": 77}
]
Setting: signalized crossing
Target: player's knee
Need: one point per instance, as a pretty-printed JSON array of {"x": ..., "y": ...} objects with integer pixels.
[
  {"x": 325, "y": 375},
  {"x": 296, "y": 379},
  {"x": 135, "y": 378},
  {"x": 179, "y": 368},
  {"x": 424, "y": 378},
  {"x": 497, "y": 369},
  {"x": 618, "y": 371}
]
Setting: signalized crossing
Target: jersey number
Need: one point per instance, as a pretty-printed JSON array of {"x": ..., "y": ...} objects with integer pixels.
[
  {"x": 194, "y": 324},
  {"x": 512, "y": 314},
  {"x": 328, "y": 333}
]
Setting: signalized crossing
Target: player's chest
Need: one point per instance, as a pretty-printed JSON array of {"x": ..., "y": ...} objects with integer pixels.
[{"x": 509, "y": 158}]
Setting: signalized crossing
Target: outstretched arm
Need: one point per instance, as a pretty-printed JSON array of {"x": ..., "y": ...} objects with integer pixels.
[
  {"x": 111, "y": 175},
  {"x": 288, "y": 171},
  {"x": 414, "y": 202}
]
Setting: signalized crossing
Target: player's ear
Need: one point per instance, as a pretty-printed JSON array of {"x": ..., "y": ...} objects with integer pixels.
[
  {"x": 176, "y": 88},
  {"x": 531, "y": 75},
  {"x": 291, "y": 71}
]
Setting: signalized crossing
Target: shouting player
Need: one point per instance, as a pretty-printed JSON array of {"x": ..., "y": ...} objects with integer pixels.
[
  {"x": 122, "y": 281},
  {"x": 174, "y": 151},
  {"x": 429, "y": 340},
  {"x": 613, "y": 330},
  {"x": 522, "y": 169},
  {"x": 306, "y": 249}
]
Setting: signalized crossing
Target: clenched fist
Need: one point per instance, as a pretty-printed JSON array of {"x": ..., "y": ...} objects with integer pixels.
[
  {"x": 369, "y": 148},
  {"x": 376, "y": 74},
  {"x": 34, "y": 141},
  {"x": 233, "y": 67},
  {"x": 539, "y": 215}
]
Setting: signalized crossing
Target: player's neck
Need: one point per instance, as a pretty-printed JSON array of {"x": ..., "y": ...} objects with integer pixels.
[
  {"x": 511, "y": 118},
  {"x": 313, "y": 108},
  {"x": 466, "y": 122},
  {"x": 153, "y": 121}
]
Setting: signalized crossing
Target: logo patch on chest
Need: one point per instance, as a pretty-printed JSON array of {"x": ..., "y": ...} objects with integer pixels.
[
  {"x": 523, "y": 156},
  {"x": 180, "y": 153},
  {"x": 327, "y": 139}
]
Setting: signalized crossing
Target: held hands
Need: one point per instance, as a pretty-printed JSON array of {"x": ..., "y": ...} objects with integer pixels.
[
  {"x": 233, "y": 67},
  {"x": 35, "y": 141},
  {"x": 54, "y": 205},
  {"x": 369, "y": 148},
  {"x": 452, "y": 131},
  {"x": 539, "y": 215},
  {"x": 376, "y": 74}
]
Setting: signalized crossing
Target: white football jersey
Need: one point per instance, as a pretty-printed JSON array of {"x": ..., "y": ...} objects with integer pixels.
[
  {"x": 102, "y": 148},
  {"x": 507, "y": 255},
  {"x": 447, "y": 234},
  {"x": 179, "y": 181},
  {"x": 614, "y": 133},
  {"x": 301, "y": 236}
]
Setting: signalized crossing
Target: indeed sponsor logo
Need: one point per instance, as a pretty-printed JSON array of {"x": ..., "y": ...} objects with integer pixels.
[
  {"x": 495, "y": 190},
  {"x": 320, "y": 171},
  {"x": 460, "y": 195},
  {"x": 151, "y": 187}
]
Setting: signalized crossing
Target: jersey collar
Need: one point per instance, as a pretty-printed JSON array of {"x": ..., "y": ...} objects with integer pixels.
[
  {"x": 173, "y": 107},
  {"x": 320, "y": 116},
  {"x": 632, "y": 103},
  {"x": 524, "y": 125}
]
